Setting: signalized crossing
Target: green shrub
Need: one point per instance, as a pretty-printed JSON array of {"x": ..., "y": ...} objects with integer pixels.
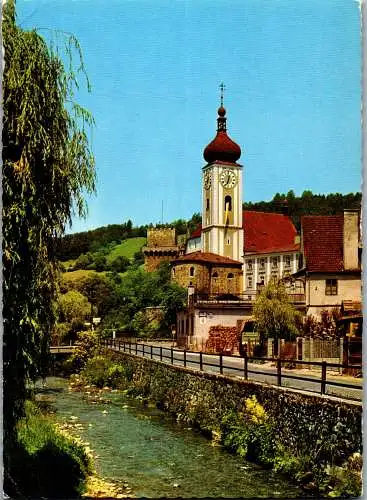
[
  {"x": 87, "y": 346},
  {"x": 249, "y": 433},
  {"x": 46, "y": 463},
  {"x": 95, "y": 371},
  {"x": 115, "y": 376},
  {"x": 102, "y": 371}
]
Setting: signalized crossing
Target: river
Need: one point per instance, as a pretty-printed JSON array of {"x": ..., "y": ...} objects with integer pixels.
[{"x": 157, "y": 456}]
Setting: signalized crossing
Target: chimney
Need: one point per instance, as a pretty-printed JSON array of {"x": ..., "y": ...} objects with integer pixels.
[{"x": 351, "y": 239}]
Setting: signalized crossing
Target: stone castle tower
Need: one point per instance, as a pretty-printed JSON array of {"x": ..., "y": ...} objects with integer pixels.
[{"x": 161, "y": 246}]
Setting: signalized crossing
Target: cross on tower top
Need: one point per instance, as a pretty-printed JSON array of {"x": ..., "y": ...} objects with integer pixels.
[{"x": 222, "y": 87}]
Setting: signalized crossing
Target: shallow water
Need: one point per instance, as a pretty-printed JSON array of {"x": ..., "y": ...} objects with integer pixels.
[{"x": 158, "y": 457}]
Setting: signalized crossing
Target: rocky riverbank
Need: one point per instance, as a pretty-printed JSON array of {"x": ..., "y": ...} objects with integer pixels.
[{"x": 96, "y": 486}]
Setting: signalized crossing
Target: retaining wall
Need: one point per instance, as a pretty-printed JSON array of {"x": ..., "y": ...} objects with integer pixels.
[{"x": 305, "y": 423}]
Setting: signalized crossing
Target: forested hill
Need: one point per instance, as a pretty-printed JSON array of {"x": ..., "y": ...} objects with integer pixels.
[
  {"x": 307, "y": 204},
  {"x": 72, "y": 246}
]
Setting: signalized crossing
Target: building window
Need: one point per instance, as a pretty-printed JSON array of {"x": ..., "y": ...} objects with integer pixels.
[
  {"x": 230, "y": 276},
  {"x": 249, "y": 265},
  {"x": 192, "y": 271},
  {"x": 228, "y": 241},
  {"x": 287, "y": 261},
  {"x": 228, "y": 203},
  {"x": 215, "y": 275},
  {"x": 249, "y": 282},
  {"x": 262, "y": 263},
  {"x": 331, "y": 287},
  {"x": 207, "y": 203},
  {"x": 274, "y": 262}
]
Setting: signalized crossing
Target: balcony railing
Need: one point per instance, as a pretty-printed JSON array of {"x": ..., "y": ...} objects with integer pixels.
[{"x": 235, "y": 299}]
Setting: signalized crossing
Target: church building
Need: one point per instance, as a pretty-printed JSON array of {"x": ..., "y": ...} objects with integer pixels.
[{"x": 223, "y": 266}]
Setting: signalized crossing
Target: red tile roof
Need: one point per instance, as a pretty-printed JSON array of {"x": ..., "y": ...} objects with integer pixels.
[
  {"x": 266, "y": 232},
  {"x": 207, "y": 257},
  {"x": 196, "y": 233},
  {"x": 323, "y": 242}
]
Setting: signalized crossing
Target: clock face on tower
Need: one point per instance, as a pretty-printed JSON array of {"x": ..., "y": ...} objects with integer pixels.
[
  {"x": 228, "y": 178},
  {"x": 207, "y": 180}
]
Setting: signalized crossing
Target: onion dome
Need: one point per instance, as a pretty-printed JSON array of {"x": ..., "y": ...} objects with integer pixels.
[{"x": 222, "y": 148}]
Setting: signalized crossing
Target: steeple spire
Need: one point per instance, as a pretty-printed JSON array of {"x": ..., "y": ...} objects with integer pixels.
[
  {"x": 221, "y": 120},
  {"x": 222, "y": 88},
  {"x": 222, "y": 148}
]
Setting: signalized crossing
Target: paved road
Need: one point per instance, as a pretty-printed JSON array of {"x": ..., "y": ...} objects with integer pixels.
[{"x": 234, "y": 367}]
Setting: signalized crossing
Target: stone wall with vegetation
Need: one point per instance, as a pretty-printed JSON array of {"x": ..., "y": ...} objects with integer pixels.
[{"x": 315, "y": 439}]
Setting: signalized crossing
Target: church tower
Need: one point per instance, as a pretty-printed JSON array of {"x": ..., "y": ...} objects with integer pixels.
[{"x": 222, "y": 231}]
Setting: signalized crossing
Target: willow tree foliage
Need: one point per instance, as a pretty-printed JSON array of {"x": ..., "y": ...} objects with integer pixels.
[
  {"x": 48, "y": 166},
  {"x": 275, "y": 316}
]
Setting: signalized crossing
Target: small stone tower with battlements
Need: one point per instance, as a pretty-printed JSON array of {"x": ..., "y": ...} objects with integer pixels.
[{"x": 161, "y": 246}]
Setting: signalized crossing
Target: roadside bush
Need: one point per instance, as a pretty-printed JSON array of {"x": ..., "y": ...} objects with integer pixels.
[{"x": 47, "y": 463}]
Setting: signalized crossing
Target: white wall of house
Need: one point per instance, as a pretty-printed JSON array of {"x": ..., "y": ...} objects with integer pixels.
[
  {"x": 193, "y": 245},
  {"x": 262, "y": 267},
  {"x": 320, "y": 293},
  {"x": 197, "y": 329}
]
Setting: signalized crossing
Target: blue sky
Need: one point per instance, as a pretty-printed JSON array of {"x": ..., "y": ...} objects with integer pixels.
[{"x": 292, "y": 75}]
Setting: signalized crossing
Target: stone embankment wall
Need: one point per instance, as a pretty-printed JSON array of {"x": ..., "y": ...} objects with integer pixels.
[{"x": 304, "y": 423}]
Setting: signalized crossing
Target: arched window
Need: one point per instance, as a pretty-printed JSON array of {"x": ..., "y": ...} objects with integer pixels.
[
  {"x": 230, "y": 276},
  {"x": 215, "y": 275},
  {"x": 207, "y": 203},
  {"x": 192, "y": 271},
  {"x": 228, "y": 203}
]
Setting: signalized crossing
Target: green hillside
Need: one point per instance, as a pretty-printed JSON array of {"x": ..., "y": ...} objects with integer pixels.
[{"x": 126, "y": 248}]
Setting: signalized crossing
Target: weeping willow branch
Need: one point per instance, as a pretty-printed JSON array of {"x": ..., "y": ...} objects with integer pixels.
[{"x": 48, "y": 167}]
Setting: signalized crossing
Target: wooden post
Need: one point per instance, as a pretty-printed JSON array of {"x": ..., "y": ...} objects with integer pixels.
[
  {"x": 151, "y": 351},
  {"x": 136, "y": 348},
  {"x": 119, "y": 346},
  {"x": 143, "y": 350},
  {"x": 323, "y": 377},
  {"x": 279, "y": 371},
  {"x": 184, "y": 357},
  {"x": 124, "y": 346},
  {"x": 171, "y": 355},
  {"x": 161, "y": 353},
  {"x": 221, "y": 363},
  {"x": 245, "y": 367},
  {"x": 201, "y": 360},
  {"x": 130, "y": 347}
]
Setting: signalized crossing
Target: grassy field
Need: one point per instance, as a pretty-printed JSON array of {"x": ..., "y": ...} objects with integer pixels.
[
  {"x": 127, "y": 248},
  {"x": 79, "y": 275},
  {"x": 68, "y": 263}
]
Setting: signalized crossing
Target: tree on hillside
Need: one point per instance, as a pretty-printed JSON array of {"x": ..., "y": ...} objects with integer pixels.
[
  {"x": 275, "y": 315},
  {"x": 74, "y": 309},
  {"x": 119, "y": 264},
  {"x": 47, "y": 165},
  {"x": 100, "y": 292}
]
